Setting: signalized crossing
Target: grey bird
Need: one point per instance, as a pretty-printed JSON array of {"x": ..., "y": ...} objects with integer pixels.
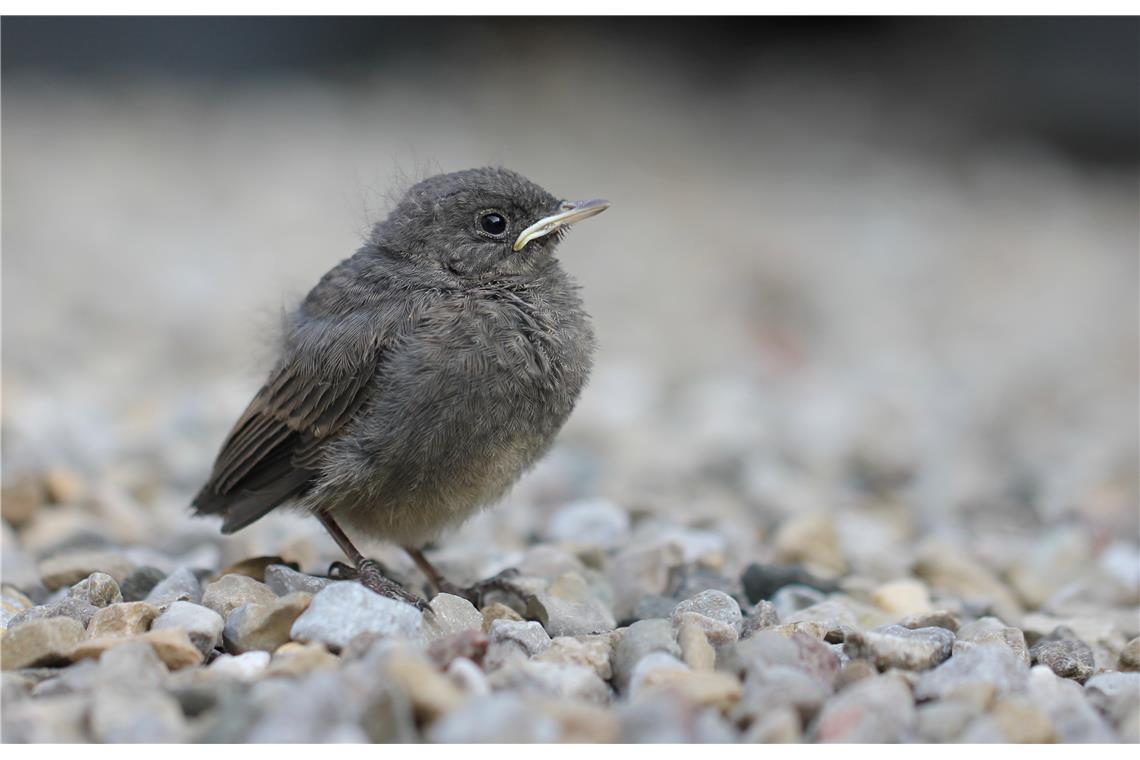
[{"x": 420, "y": 377}]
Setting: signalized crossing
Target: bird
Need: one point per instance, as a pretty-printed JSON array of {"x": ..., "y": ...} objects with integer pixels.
[{"x": 420, "y": 378}]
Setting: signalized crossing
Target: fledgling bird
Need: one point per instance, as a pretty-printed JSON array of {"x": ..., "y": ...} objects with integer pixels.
[{"x": 420, "y": 377}]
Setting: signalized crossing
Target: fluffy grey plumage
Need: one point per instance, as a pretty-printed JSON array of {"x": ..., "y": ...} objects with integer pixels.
[{"x": 422, "y": 376}]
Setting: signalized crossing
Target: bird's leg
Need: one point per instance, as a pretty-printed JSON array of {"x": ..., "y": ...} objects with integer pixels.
[
  {"x": 474, "y": 593},
  {"x": 368, "y": 571}
]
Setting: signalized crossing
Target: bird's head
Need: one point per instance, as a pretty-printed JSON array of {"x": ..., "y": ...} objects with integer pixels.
[{"x": 480, "y": 224}]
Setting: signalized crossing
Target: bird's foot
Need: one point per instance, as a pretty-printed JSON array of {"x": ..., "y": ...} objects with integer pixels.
[
  {"x": 371, "y": 575},
  {"x": 476, "y": 592}
]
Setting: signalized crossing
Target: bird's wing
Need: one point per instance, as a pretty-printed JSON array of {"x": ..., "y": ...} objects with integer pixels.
[{"x": 273, "y": 452}]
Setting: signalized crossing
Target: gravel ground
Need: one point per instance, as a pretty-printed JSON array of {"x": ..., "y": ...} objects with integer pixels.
[{"x": 858, "y": 461}]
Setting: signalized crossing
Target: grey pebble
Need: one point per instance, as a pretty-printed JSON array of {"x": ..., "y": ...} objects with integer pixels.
[
  {"x": 345, "y": 609},
  {"x": 992, "y": 663},
  {"x": 769, "y": 689},
  {"x": 763, "y": 616},
  {"x": 714, "y": 605},
  {"x": 283, "y": 580},
  {"x": 893, "y": 646},
  {"x": 639, "y": 640},
  {"x": 552, "y": 680},
  {"x": 1068, "y": 658},
  {"x": 514, "y": 639},
  {"x": 180, "y": 586},
  {"x": 568, "y": 606},
  {"x": 203, "y": 625},
  {"x": 231, "y": 591},
  {"x": 139, "y": 583},
  {"x": 876, "y": 710}
]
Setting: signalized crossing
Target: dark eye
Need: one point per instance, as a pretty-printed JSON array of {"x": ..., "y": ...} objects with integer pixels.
[{"x": 493, "y": 223}]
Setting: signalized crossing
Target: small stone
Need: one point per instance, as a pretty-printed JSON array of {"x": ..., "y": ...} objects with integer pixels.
[
  {"x": 76, "y": 609},
  {"x": 663, "y": 717},
  {"x": 568, "y": 607},
  {"x": 653, "y": 606},
  {"x": 117, "y": 719},
  {"x": 594, "y": 652},
  {"x": 172, "y": 645},
  {"x": 763, "y": 582},
  {"x": 993, "y": 665},
  {"x": 550, "y": 679},
  {"x": 431, "y": 693},
  {"x": 450, "y": 614},
  {"x": 229, "y": 592},
  {"x": 639, "y": 640},
  {"x": 509, "y": 639},
  {"x": 777, "y": 687},
  {"x": 470, "y": 644},
  {"x": 696, "y": 651},
  {"x": 64, "y": 485},
  {"x": 651, "y": 663},
  {"x": 12, "y": 603},
  {"x": 498, "y": 611},
  {"x": 896, "y": 647},
  {"x": 811, "y": 540},
  {"x": 283, "y": 580},
  {"x": 1011, "y": 720},
  {"x": 873, "y": 710},
  {"x": 808, "y": 628},
  {"x": 295, "y": 659},
  {"x": 720, "y": 615},
  {"x": 132, "y": 666},
  {"x": 254, "y": 567},
  {"x": 902, "y": 597},
  {"x": 1116, "y": 695},
  {"x": 581, "y": 722},
  {"x": 40, "y": 643},
  {"x": 945, "y": 720},
  {"x": 596, "y": 522},
  {"x": 763, "y": 616},
  {"x": 346, "y": 609},
  {"x": 201, "y": 624},
  {"x": 140, "y": 582},
  {"x": 771, "y": 648},
  {"x": 835, "y": 616},
  {"x": 703, "y": 688},
  {"x": 60, "y": 719},
  {"x": 264, "y": 626},
  {"x": 792, "y": 599},
  {"x": 990, "y": 630},
  {"x": 779, "y": 726},
  {"x": 1130, "y": 655},
  {"x": 243, "y": 667},
  {"x": 640, "y": 569},
  {"x": 71, "y": 567},
  {"x": 122, "y": 620},
  {"x": 1068, "y": 658},
  {"x": 852, "y": 671},
  {"x": 468, "y": 677},
  {"x": 1071, "y": 708},
  {"x": 97, "y": 589},
  {"x": 933, "y": 619},
  {"x": 499, "y": 719},
  {"x": 180, "y": 586}
]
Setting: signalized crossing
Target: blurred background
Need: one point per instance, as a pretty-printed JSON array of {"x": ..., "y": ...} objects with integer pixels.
[{"x": 866, "y": 285}]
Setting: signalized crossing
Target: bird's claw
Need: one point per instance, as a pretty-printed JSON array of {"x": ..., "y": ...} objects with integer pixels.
[
  {"x": 371, "y": 575},
  {"x": 501, "y": 582}
]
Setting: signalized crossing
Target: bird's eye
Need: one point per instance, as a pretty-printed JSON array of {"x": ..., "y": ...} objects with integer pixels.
[{"x": 493, "y": 223}]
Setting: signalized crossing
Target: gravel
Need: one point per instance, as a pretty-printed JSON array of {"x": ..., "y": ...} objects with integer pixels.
[{"x": 857, "y": 461}]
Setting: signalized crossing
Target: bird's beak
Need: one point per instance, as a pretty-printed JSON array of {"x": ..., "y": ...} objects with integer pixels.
[{"x": 568, "y": 213}]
